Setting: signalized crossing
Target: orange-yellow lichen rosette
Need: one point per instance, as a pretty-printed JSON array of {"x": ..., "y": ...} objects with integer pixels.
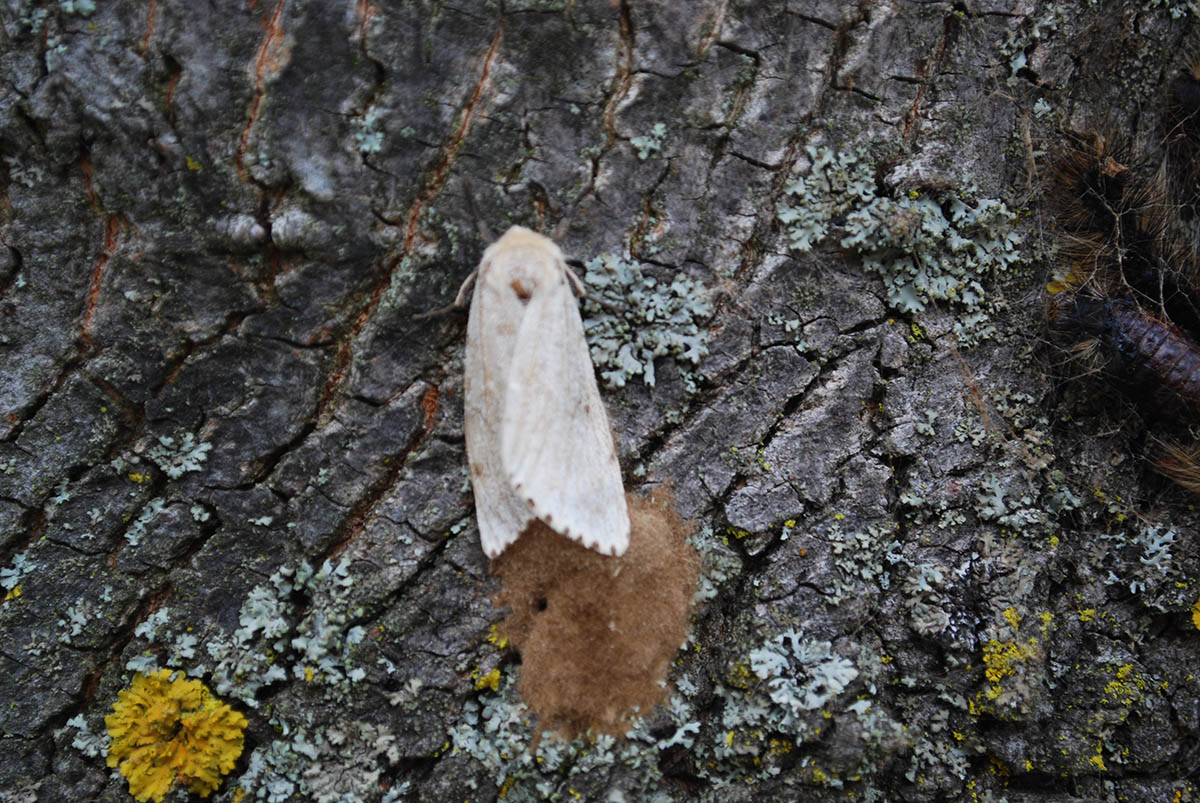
[{"x": 166, "y": 732}]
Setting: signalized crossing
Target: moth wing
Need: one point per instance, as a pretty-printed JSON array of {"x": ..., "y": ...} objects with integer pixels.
[
  {"x": 491, "y": 336},
  {"x": 556, "y": 443}
]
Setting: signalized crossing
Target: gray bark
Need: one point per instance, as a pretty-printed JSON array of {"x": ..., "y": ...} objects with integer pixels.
[{"x": 218, "y": 222}]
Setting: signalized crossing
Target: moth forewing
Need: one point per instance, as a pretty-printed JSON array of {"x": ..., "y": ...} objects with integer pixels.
[
  {"x": 491, "y": 336},
  {"x": 556, "y": 443},
  {"x": 538, "y": 439}
]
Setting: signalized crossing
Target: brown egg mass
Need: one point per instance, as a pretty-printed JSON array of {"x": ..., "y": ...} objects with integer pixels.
[{"x": 597, "y": 633}]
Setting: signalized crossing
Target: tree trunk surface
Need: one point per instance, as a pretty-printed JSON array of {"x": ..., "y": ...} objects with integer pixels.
[{"x": 936, "y": 563}]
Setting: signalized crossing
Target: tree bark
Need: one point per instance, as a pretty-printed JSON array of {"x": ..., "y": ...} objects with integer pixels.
[{"x": 937, "y": 565}]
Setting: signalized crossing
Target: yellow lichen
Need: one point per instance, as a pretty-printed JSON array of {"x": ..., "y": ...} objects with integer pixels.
[
  {"x": 1196, "y": 614},
  {"x": 489, "y": 681},
  {"x": 496, "y": 639},
  {"x": 780, "y": 747},
  {"x": 1001, "y": 657},
  {"x": 1126, "y": 687},
  {"x": 168, "y": 733}
]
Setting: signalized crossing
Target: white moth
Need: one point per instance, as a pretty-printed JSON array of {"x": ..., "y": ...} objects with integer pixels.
[{"x": 538, "y": 441}]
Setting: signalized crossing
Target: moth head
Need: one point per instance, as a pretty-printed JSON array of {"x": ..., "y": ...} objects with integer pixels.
[
  {"x": 523, "y": 286},
  {"x": 527, "y": 261}
]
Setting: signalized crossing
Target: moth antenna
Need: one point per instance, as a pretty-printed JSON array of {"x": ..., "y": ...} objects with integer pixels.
[
  {"x": 581, "y": 288},
  {"x": 459, "y": 302},
  {"x": 560, "y": 230}
]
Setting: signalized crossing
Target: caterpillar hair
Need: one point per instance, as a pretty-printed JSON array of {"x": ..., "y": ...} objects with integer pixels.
[
  {"x": 1181, "y": 139},
  {"x": 1119, "y": 235},
  {"x": 1180, "y": 464}
]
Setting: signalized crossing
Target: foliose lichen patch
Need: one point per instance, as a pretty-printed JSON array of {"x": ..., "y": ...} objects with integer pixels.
[
  {"x": 642, "y": 319},
  {"x": 926, "y": 246}
]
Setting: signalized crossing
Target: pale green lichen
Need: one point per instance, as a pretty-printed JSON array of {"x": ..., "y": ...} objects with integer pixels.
[
  {"x": 83, "y": 8},
  {"x": 800, "y": 674},
  {"x": 85, "y": 740},
  {"x": 651, "y": 143},
  {"x": 866, "y": 556},
  {"x": 926, "y": 247},
  {"x": 1021, "y": 41},
  {"x": 180, "y": 455},
  {"x": 495, "y": 733},
  {"x": 320, "y": 649},
  {"x": 138, "y": 529},
  {"x": 11, "y": 575},
  {"x": 368, "y": 136},
  {"x": 77, "y": 619},
  {"x": 1143, "y": 562},
  {"x": 268, "y": 646},
  {"x": 338, "y": 763},
  {"x": 643, "y": 319},
  {"x": 718, "y": 564},
  {"x": 1176, "y": 10}
]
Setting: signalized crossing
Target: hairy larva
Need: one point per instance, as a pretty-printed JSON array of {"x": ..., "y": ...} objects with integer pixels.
[
  {"x": 538, "y": 440},
  {"x": 1118, "y": 228},
  {"x": 1155, "y": 360},
  {"x": 1128, "y": 282}
]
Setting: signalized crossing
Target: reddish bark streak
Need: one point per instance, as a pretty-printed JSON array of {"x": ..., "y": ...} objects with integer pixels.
[
  {"x": 429, "y": 403},
  {"x": 435, "y": 179},
  {"x": 151, "y": 14},
  {"x": 365, "y": 11},
  {"x": 88, "y": 170},
  {"x": 437, "y": 175},
  {"x": 112, "y": 230},
  {"x": 926, "y": 74},
  {"x": 172, "y": 82},
  {"x": 707, "y": 40},
  {"x": 623, "y": 77},
  {"x": 267, "y": 64}
]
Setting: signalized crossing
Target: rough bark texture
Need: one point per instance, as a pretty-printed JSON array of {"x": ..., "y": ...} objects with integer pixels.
[{"x": 930, "y": 572}]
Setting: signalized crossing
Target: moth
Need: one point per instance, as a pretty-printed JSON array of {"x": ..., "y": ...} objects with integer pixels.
[{"x": 539, "y": 445}]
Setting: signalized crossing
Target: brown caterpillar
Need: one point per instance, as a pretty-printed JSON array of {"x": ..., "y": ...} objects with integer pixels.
[{"x": 1154, "y": 360}]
